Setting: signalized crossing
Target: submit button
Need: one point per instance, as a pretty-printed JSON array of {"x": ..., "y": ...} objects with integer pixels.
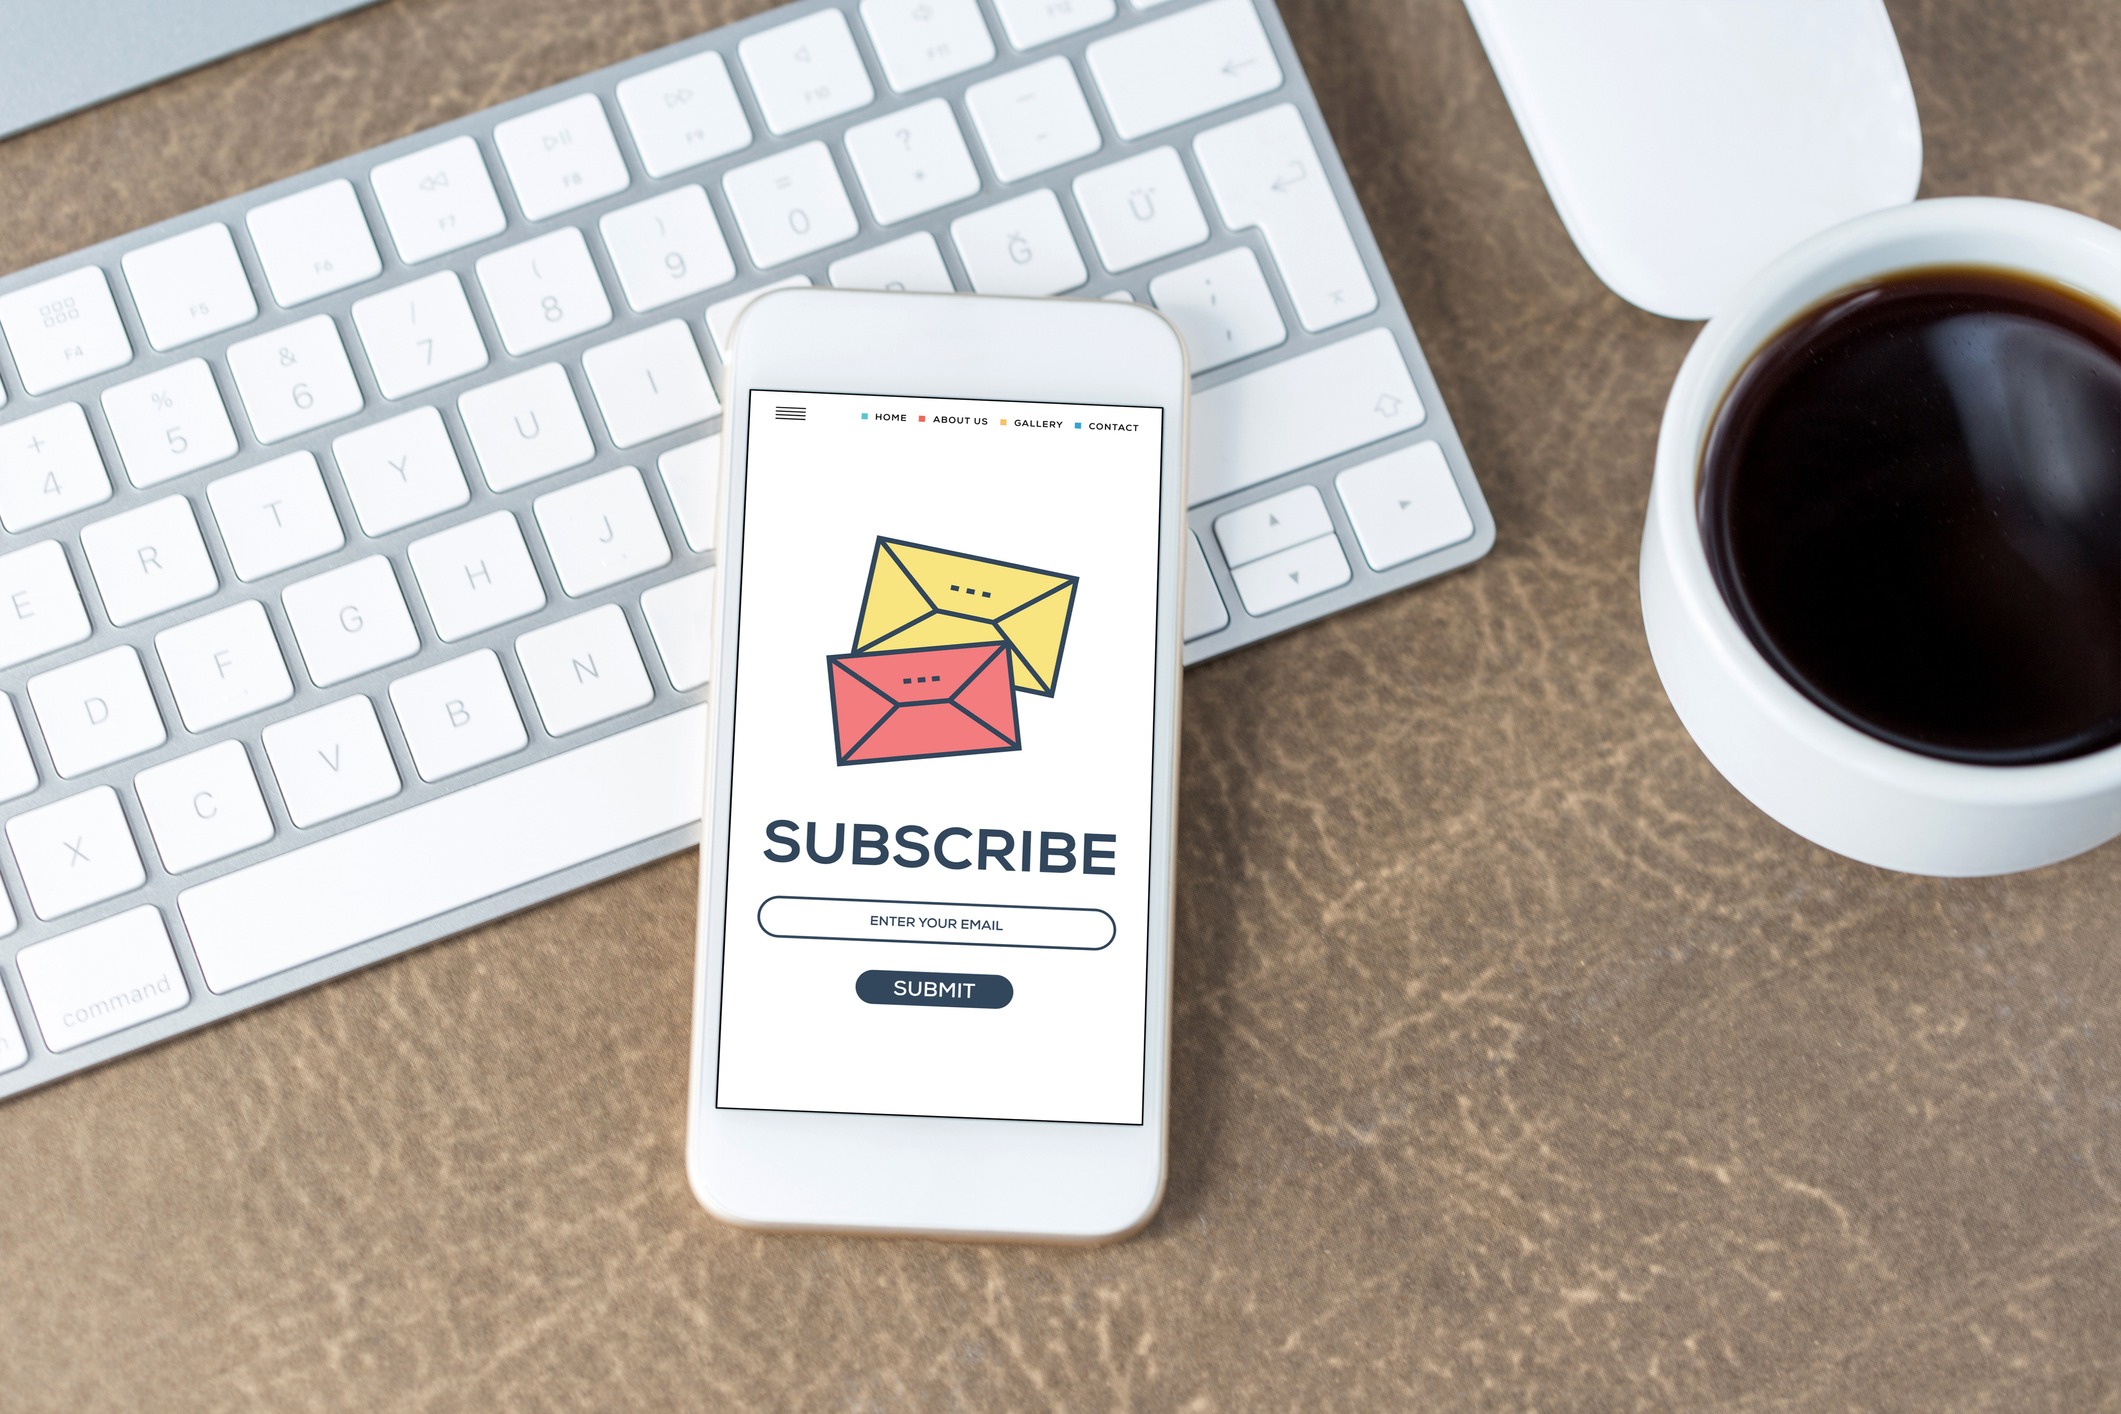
[{"x": 983, "y": 990}]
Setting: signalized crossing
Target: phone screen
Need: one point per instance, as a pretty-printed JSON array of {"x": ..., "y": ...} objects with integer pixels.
[{"x": 938, "y": 885}]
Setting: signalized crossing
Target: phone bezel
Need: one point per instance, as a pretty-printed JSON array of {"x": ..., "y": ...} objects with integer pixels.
[{"x": 957, "y": 1178}]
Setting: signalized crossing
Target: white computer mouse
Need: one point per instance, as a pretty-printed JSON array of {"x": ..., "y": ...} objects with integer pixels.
[{"x": 1686, "y": 143}]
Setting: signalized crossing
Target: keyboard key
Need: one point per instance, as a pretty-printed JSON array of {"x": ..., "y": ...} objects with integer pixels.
[
  {"x": 909, "y": 263},
  {"x": 49, "y": 467},
  {"x": 275, "y": 516},
  {"x": 400, "y": 472},
  {"x": 584, "y": 670},
  {"x": 690, "y": 474},
  {"x": 561, "y": 157},
  {"x": 13, "y": 1052},
  {"x": 449, "y": 852},
  {"x": 40, "y": 606},
  {"x": 458, "y": 715},
  {"x": 911, "y": 162},
  {"x": 1302, "y": 410},
  {"x": 101, "y": 979},
  {"x": 1258, "y": 530},
  {"x": 666, "y": 248},
  {"x": 223, "y": 666},
  {"x": 294, "y": 379},
  {"x": 1032, "y": 119},
  {"x": 920, "y": 42},
  {"x": 684, "y": 114},
  {"x": 722, "y": 314},
  {"x": 349, "y": 620},
  {"x": 525, "y": 427},
  {"x": 543, "y": 291},
  {"x": 419, "y": 335},
  {"x": 1292, "y": 575},
  {"x": 437, "y": 200},
  {"x": 203, "y": 807},
  {"x": 650, "y": 383},
  {"x": 95, "y": 711},
  {"x": 680, "y": 620},
  {"x": 331, "y": 762},
  {"x": 790, "y": 204},
  {"x": 313, "y": 243},
  {"x": 1403, "y": 504},
  {"x": 1264, "y": 172},
  {"x": 1222, "y": 306},
  {"x": 476, "y": 575},
  {"x": 18, "y": 774},
  {"x": 602, "y": 531},
  {"x": 189, "y": 286},
  {"x": 1140, "y": 210},
  {"x": 1030, "y": 23},
  {"x": 805, "y": 71},
  {"x": 170, "y": 422},
  {"x": 75, "y": 852},
  {"x": 149, "y": 560},
  {"x": 1177, "y": 69},
  {"x": 1021, "y": 247},
  {"x": 63, "y": 330},
  {"x": 1205, "y": 611}
]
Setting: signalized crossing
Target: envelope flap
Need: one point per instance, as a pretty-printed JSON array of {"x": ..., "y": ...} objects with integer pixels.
[
  {"x": 970, "y": 584},
  {"x": 857, "y": 706},
  {"x": 920, "y": 674},
  {"x": 1039, "y": 630},
  {"x": 892, "y": 599}
]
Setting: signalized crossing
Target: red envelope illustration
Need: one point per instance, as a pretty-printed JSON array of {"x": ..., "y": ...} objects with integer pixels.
[{"x": 904, "y": 703}]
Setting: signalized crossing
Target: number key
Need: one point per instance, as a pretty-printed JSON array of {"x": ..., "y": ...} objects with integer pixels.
[
  {"x": 169, "y": 422},
  {"x": 666, "y": 248},
  {"x": 419, "y": 335},
  {"x": 543, "y": 291},
  {"x": 790, "y": 204},
  {"x": 294, "y": 379}
]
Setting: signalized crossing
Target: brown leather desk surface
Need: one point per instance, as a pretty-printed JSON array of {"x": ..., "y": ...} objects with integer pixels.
[{"x": 1519, "y": 1062}]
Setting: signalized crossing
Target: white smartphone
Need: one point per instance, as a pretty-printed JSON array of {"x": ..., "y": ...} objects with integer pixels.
[{"x": 933, "y": 989}]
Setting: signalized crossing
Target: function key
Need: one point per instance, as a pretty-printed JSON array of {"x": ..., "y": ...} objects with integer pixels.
[
  {"x": 806, "y": 71},
  {"x": 920, "y": 42},
  {"x": 684, "y": 114},
  {"x": 1031, "y": 23},
  {"x": 561, "y": 157},
  {"x": 313, "y": 243},
  {"x": 63, "y": 330},
  {"x": 437, "y": 200},
  {"x": 189, "y": 286}
]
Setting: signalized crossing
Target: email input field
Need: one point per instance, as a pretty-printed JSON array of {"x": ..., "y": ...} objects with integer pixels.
[{"x": 991, "y": 925}]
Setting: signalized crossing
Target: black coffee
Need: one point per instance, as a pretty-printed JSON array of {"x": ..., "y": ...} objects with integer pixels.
[{"x": 1912, "y": 502}]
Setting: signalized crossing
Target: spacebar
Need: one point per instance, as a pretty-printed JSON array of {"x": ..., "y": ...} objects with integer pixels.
[{"x": 448, "y": 852}]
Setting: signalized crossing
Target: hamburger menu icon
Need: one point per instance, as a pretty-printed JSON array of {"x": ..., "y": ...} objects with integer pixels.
[{"x": 943, "y": 643}]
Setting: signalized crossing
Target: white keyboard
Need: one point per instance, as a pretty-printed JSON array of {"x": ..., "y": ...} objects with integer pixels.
[{"x": 357, "y": 532}]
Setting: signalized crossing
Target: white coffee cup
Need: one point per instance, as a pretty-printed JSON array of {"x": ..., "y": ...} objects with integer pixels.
[{"x": 1835, "y": 785}]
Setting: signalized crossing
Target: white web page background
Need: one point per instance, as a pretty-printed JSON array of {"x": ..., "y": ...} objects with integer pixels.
[{"x": 818, "y": 493}]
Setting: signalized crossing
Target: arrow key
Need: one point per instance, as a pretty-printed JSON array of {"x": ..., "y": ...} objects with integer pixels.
[
  {"x": 1292, "y": 575},
  {"x": 1253, "y": 532},
  {"x": 1403, "y": 504}
]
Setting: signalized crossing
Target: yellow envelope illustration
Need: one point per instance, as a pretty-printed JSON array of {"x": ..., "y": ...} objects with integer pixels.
[{"x": 922, "y": 597}]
